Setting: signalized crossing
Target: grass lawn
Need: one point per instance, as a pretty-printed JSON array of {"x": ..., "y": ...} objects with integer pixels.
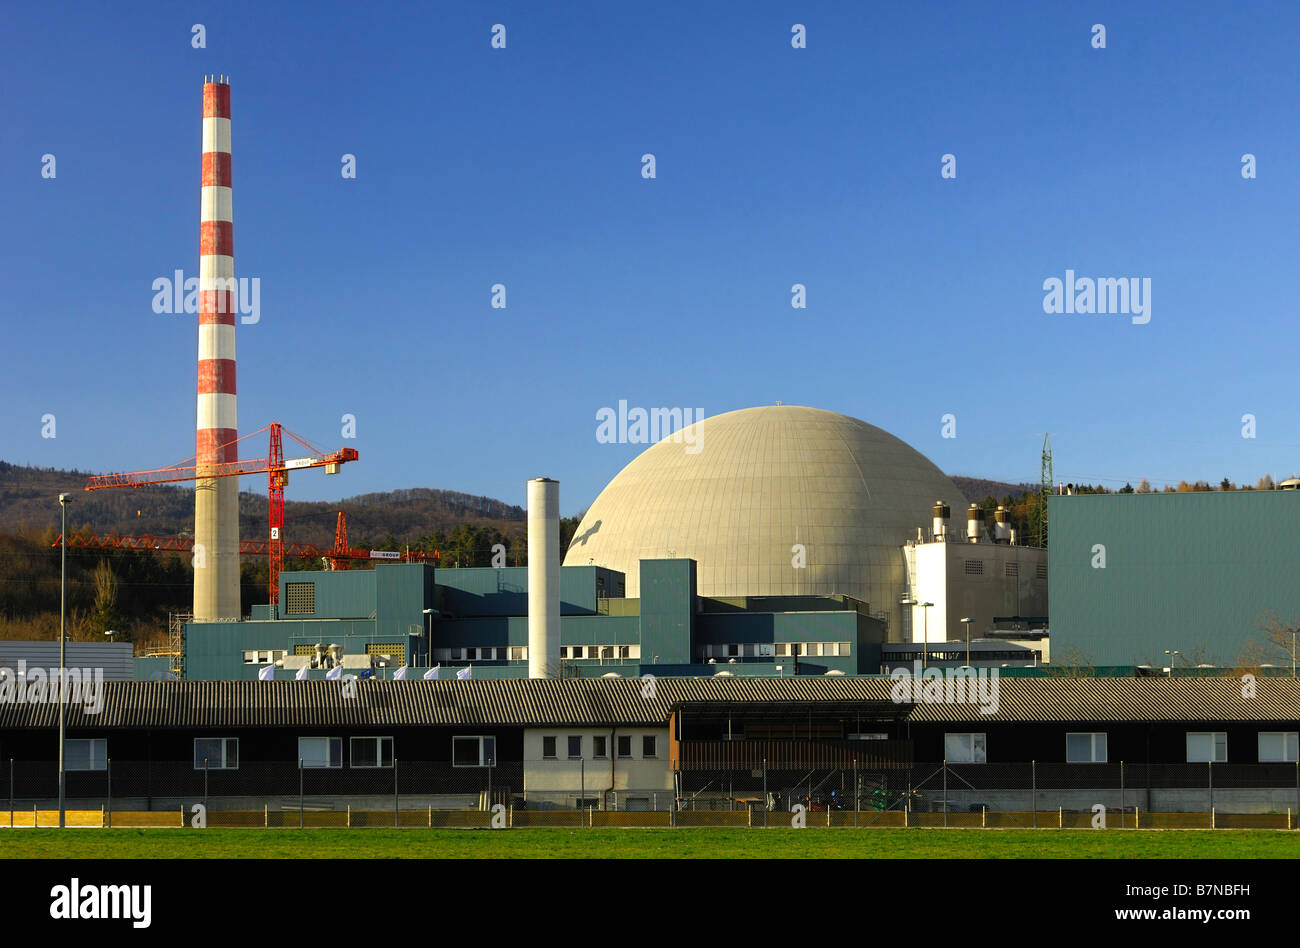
[{"x": 646, "y": 844}]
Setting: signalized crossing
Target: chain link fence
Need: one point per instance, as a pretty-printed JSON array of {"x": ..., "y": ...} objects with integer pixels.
[{"x": 594, "y": 794}]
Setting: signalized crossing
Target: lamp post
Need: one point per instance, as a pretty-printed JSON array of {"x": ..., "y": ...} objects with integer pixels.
[
  {"x": 1171, "y": 655},
  {"x": 110, "y": 633},
  {"x": 428, "y": 639},
  {"x": 1293, "y": 632},
  {"x": 63, "y": 610},
  {"x": 925, "y": 654},
  {"x": 967, "y": 620}
]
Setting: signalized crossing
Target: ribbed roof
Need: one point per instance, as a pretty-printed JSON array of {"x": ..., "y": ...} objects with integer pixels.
[{"x": 203, "y": 704}]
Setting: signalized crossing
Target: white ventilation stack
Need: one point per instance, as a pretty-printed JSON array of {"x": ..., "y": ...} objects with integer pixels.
[
  {"x": 941, "y": 514},
  {"x": 973, "y": 523},
  {"x": 543, "y": 578},
  {"x": 1001, "y": 526}
]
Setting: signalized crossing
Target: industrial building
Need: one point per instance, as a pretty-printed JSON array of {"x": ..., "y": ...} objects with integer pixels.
[
  {"x": 1137, "y": 577},
  {"x": 613, "y": 745},
  {"x": 783, "y": 500}
]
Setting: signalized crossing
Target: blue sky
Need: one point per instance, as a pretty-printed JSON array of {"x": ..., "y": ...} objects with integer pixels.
[{"x": 774, "y": 166}]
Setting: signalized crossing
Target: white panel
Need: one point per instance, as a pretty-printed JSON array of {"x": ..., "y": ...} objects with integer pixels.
[
  {"x": 217, "y": 411},
  {"x": 216, "y": 204},
  {"x": 216, "y": 134},
  {"x": 212, "y": 266},
  {"x": 216, "y": 341}
]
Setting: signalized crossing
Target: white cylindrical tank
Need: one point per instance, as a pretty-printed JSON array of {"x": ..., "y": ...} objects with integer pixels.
[
  {"x": 1001, "y": 525},
  {"x": 543, "y": 578},
  {"x": 941, "y": 512},
  {"x": 973, "y": 523}
]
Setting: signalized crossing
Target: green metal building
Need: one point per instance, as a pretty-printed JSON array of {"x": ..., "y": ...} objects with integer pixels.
[
  {"x": 414, "y": 615},
  {"x": 1132, "y": 576}
]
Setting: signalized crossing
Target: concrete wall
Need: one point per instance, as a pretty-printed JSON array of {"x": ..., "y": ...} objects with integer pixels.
[{"x": 560, "y": 781}]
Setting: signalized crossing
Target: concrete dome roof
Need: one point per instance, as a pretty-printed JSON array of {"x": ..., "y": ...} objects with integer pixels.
[{"x": 762, "y": 480}]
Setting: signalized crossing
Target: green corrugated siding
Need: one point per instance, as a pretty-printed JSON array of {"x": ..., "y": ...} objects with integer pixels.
[{"x": 1197, "y": 572}]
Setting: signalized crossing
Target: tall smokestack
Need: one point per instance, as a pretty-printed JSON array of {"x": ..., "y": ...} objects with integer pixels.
[
  {"x": 216, "y": 499},
  {"x": 543, "y": 578}
]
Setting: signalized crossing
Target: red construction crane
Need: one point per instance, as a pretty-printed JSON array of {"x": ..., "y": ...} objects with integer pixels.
[
  {"x": 273, "y": 465},
  {"x": 339, "y": 557}
]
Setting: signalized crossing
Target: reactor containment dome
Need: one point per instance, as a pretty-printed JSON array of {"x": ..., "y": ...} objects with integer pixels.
[{"x": 771, "y": 501}]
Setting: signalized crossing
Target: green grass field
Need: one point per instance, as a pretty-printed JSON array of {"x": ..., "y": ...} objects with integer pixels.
[{"x": 645, "y": 844}]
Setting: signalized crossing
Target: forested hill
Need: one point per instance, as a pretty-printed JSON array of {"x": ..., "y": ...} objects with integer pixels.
[{"x": 29, "y": 499}]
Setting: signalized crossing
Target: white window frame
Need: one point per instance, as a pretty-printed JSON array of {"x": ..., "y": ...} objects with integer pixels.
[
  {"x": 484, "y": 760},
  {"x": 379, "y": 756},
  {"x": 224, "y": 764},
  {"x": 974, "y": 749},
  {"x": 330, "y": 741},
  {"x": 1290, "y": 747},
  {"x": 1217, "y": 738},
  {"x": 1092, "y": 745},
  {"x": 97, "y": 761}
]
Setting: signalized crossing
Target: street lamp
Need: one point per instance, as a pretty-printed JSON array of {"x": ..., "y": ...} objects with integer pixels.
[
  {"x": 967, "y": 620},
  {"x": 64, "y": 499},
  {"x": 1171, "y": 655},
  {"x": 110, "y": 633},
  {"x": 925, "y": 655},
  {"x": 428, "y": 640}
]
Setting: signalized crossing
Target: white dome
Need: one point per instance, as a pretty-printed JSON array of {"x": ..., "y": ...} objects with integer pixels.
[{"x": 762, "y": 480}]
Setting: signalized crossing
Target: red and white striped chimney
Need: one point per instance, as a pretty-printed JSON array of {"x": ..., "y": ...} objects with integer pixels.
[{"x": 216, "y": 499}]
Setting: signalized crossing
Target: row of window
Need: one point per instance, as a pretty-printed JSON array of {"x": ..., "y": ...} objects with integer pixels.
[
  {"x": 485, "y": 653},
  {"x": 600, "y": 651},
  {"x": 777, "y": 649},
  {"x": 976, "y": 568},
  {"x": 1089, "y": 747},
  {"x": 599, "y": 747}
]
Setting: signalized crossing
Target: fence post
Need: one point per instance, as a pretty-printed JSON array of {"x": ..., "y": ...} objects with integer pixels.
[
  {"x": 1209, "y": 769},
  {"x": 764, "y": 793},
  {"x": 1137, "y": 816},
  {"x": 582, "y": 788},
  {"x": 1121, "y": 794},
  {"x": 349, "y": 816},
  {"x": 1060, "y": 816},
  {"x": 11, "y": 790},
  {"x": 109, "y": 762},
  {"x": 945, "y": 792},
  {"x": 430, "y": 816},
  {"x": 489, "y": 784},
  {"x": 101, "y": 815},
  {"x": 266, "y": 816},
  {"x": 300, "y": 786},
  {"x": 1212, "y": 826},
  {"x": 984, "y": 816},
  {"x": 1033, "y": 790},
  {"x": 1297, "y": 787},
  {"x": 205, "y": 783},
  {"x": 395, "y": 802},
  {"x": 855, "y": 794}
]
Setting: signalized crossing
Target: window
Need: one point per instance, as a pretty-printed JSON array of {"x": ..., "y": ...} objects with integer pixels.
[
  {"x": 299, "y": 599},
  {"x": 475, "y": 751},
  {"x": 1279, "y": 747},
  {"x": 548, "y": 748},
  {"x": 519, "y": 653},
  {"x": 607, "y": 651},
  {"x": 965, "y": 748},
  {"x": 266, "y": 656},
  {"x": 577, "y": 651},
  {"x": 648, "y": 746},
  {"x": 624, "y": 746},
  {"x": 1088, "y": 747},
  {"x": 598, "y": 749},
  {"x": 782, "y": 649},
  {"x": 846, "y": 649},
  {"x": 732, "y": 651},
  {"x": 796, "y": 648},
  {"x": 85, "y": 754},
  {"x": 814, "y": 649},
  {"x": 320, "y": 751},
  {"x": 575, "y": 747},
  {"x": 371, "y": 752},
  {"x": 1207, "y": 747},
  {"x": 624, "y": 651},
  {"x": 216, "y": 753}
]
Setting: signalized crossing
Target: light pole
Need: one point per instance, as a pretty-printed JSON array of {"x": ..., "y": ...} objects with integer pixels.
[
  {"x": 1171, "y": 655},
  {"x": 967, "y": 620},
  {"x": 925, "y": 654},
  {"x": 428, "y": 639},
  {"x": 1293, "y": 632},
  {"x": 63, "y": 610},
  {"x": 110, "y": 633}
]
